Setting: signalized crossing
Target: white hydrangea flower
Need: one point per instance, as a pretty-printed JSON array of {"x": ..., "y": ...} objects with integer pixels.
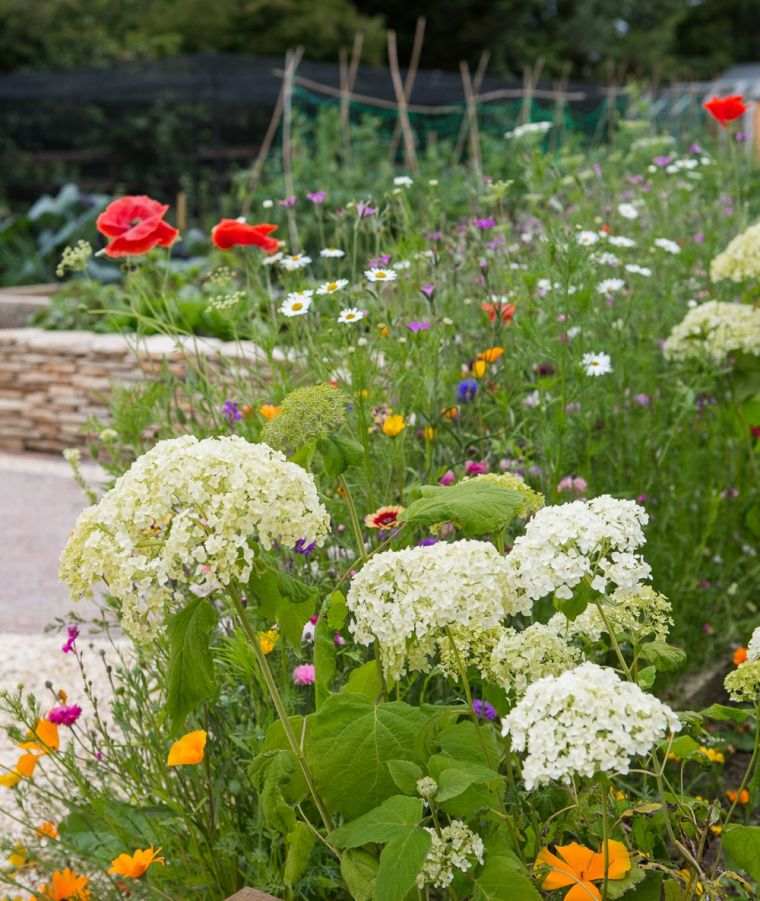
[
  {"x": 520, "y": 658},
  {"x": 741, "y": 259},
  {"x": 715, "y": 330},
  {"x": 406, "y": 600},
  {"x": 582, "y": 722},
  {"x": 456, "y": 847},
  {"x": 565, "y": 544},
  {"x": 185, "y": 518},
  {"x": 753, "y": 648},
  {"x": 641, "y": 613}
]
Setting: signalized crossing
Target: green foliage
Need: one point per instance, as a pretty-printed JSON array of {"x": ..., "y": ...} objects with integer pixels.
[
  {"x": 190, "y": 675},
  {"x": 741, "y": 845},
  {"x": 477, "y": 507}
]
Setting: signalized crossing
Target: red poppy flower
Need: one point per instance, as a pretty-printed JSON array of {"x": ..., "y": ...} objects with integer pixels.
[
  {"x": 136, "y": 225},
  {"x": 755, "y": 431},
  {"x": 232, "y": 233},
  {"x": 505, "y": 311},
  {"x": 726, "y": 109}
]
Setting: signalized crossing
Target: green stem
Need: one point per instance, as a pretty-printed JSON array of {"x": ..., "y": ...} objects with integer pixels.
[
  {"x": 614, "y": 642},
  {"x": 354, "y": 517},
  {"x": 605, "y": 835},
  {"x": 282, "y": 713}
]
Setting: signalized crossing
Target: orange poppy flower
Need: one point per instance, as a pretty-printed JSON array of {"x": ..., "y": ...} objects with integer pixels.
[
  {"x": 742, "y": 797},
  {"x": 48, "y": 829},
  {"x": 25, "y": 765},
  {"x": 740, "y": 656},
  {"x": 505, "y": 311},
  {"x": 66, "y": 885},
  {"x": 270, "y": 411},
  {"x": 133, "y": 866},
  {"x": 577, "y": 866},
  {"x": 43, "y": 739},
  {"x": 188, "y": 750},
  {"x": 491, "y": 354}
]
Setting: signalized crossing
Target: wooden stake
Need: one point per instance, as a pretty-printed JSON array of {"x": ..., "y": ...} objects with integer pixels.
[
  {"x": 410, "y": 155},
  {"x": 531, "y": 76},
  {"x": 347, "y": 80},
  {"x": 411, "y": 75},
  {"x": 472, "y": 121},
  {"x": 292, "y": 58},
  {"x": 477, "y": 83}
]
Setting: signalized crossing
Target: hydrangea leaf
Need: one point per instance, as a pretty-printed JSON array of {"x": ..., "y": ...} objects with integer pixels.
[
  {"x": 365, "y": 680},
  {"x": 504, "y": 879},
  {"x": 190, "y": 678},
  {"x": 359, "y": 870},
  {"x": 389, "y": 820},
  {"x": 300, "y": 842},
  {"x": 400, "y": 862},
  {"x": 662, "y": 655},
  {"x": 476, "y": 506},
  {"x": 741, "y": 845},
  {"x": 405, "y": 774},
  {"x": 349, "y": 742}
]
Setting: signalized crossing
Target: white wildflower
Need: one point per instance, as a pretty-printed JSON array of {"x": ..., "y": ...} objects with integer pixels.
[
  {"x": 667, "y": 245},
  {"x": 350, "y": 314},
  {"x": 331, "y": 287},
  {"x": 332, "y": 253},
  {"x": 380, "y": 275},
  {"x": 596, "y": 364},
  {"x": 455, "y": 847}
]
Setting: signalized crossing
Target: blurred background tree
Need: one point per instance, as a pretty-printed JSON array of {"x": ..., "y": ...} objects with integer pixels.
[{"x": 665, "y": 38}]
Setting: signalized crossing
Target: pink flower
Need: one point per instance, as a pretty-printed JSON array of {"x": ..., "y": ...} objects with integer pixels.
[
  {"x": 305, "y": 674},
  {"x": 476, "y": 467},
  {"x": 448, "y": 478},
  {"x": 65, "y": 715},
  {"x": 339, "y": 640},
  {"x": 572, "y": 485},
  {"x": 72, "y": 633}
]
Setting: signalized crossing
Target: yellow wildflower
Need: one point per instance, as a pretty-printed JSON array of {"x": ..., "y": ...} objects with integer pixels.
[{"x": 393, "y": 425}]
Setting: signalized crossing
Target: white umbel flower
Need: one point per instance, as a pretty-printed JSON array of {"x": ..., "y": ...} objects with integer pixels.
[
  {"x": 403, "y": 181},
  {"x": 667, "y": 245},
  {"x": 596, "y": 364},
  {"x": 407, "y": 600},
  {"x": 610, "y": 286},
  {"x": 587, "y": 238},
  {"x": 715, "y": 330},
  {"x": 638, "y": 270},
  {"x": 628, "y": 211},
  {"x": 620, "y": 241},
  {"x": 185, "y": 518},
  {"x": 582, "y": 722},
  {"x": 565, "y": 544},
  {"x": 332, "y": 253}
]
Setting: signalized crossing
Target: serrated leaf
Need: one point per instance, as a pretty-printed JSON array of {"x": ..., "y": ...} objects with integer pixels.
[
  {"x": 741, "y": 845},
  {"x": 389, "y": 820},
  {"x": 349, "y": 743},
  {"x": 646, "y": 677},
  {"x": 405, "y": 774},
  {"x": 476, "y": 506},
  {"x": 400, "y": 862},
  {"x": 190, "y": 677}
]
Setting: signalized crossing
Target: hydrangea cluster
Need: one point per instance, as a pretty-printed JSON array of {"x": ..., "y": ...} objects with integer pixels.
[
  {"x": 741, "y": 259},
  {"x": 455, "y": 848},
  {"x": 753, "y": 648},
  {"x": 459, "y": 645},
  {"x": 407, "y": 600},
  {"x": 585, "y": 721},
  {"x": 640, "y": 613},
  {"x": 520, "y": 658},
  {"x": 743, "y": 683},
  {"x": 531, "y": 500},
  {"x": 715, "y": 330},
  {"x": 185, "y": 518},
  {"x": 593, "y": 540}
]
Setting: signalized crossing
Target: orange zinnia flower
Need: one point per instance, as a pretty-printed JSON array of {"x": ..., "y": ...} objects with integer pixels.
[
  {"x": 740, "y": 656},
  {"x": 66, "y": 885},
  {"x": 133, "y": 866},
  {"x": 188, "y": 750},
  {"x": 270, "y": 411},
  {"x": 491, "y": 354},
  {"x": 580, "y": 867},
  {"x": 505, "y": 311}
]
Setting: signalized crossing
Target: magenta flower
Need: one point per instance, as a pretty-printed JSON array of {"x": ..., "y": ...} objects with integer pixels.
[
  {"x": 338, "y": 640},
  {"x": 662, "y": 161},
  {"x": 305, "y": 674},
  {"x": 448, "y": 478},
  {"x": 428, "y": 290},
  {"x": 380, "y": 262},
  {"x": 476, "y": 467},
  {"x": 418, "y": 325},
  {"x": 365, "y": 210},
  {"x": 642, "y": 400},
  {"x": 317, "y": 197},
  {"x": 65, "y": 715},
  {"x": 485, "y": 223},
  {"x": 71, "y": 637},
  {"x": 287, "y": 201}
]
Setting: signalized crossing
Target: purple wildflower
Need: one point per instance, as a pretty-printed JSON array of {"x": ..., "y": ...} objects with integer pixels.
[
  {"x": 72, "y": 633},
  {"x": 301, "y": 547},
  {"x": 232, "y": 411},
  {"x": 663, "y": 160},
  {"x": 642, "y": 400},
  {"x": 428, "y": 540},
  {"x": 365, "y": 210},
  {"x": 435, "y": 236},
  {"x": 484, "y": 223},
  {"x": 287, "y": 201},
  {"x": 418, "y": 325},
  {"x": 317, "y": 197},
  {"x": 380, "y": 262},
  {"x": 467, "y": 389},
  {"x": 65, "y": 715},
  {"x": 428, "y": 290},
  {"x": 483, "y": 710}
]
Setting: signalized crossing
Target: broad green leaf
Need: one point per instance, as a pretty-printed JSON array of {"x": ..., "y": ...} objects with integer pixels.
[
  {"x": 724, "y": 714},
  {"x": 273, "y": 773},
  {"x": 283, "y": 598},
  {"x": 359, "y": 869},
  {"x": 648, "y": 890},
  {"x": 325, "y": 653},
  {"x": 349, "y": 743},
  {"x": 476, "y": 506},
  {"x": 504, "y": 879},
  {"x": 337, "y": 611},
  {"x": 405, "y": 774},
  {"x": 400, "y": 862},
  {"x": 190, "y": 678},
  {"x": 466, "y": 741},
  {"x": 673, "y": 891},
  {"x": 299, "y": 841},
  {"x": 338, "y": 453},
  {"x": 753, "y": 520},
  {"x": 391, "y": 819},
  {"x": 365, "y": 680},
  {"x": 458, "y": 777},
  {"x": 741, "y": 845},
  {"x": 682, "y": 747},
  {"x": 619, "y": 888},
  {"x": 646, "y": 677},
  {"x": 663, "y": 655}
]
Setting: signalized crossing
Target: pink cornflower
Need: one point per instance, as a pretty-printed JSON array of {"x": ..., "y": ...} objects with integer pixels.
[
  {"x": 72, "y": 633},
  {"x": 305, "y": 674},
  {"x": 65, "y": 715}
]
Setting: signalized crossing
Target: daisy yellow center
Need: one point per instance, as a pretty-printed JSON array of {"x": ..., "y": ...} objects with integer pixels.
[{"x": 297, "y": 305}]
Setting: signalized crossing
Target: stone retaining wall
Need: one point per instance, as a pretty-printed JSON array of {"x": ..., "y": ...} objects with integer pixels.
[{"x": 51, "y": 383}]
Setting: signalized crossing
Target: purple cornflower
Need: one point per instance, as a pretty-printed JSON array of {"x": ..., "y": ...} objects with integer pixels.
[
  {"x": 695, "y": 148},
  {"x": 427, "y": 290},
  {"x": 418, "y": 325},
  {"x": 427, "y": 541},
  {"x": 301, "y": 547},
  {"x": 287, "y": 201},
  {"x": 380, "y": 262},
  {"x": 65, "y": 715},
  {"x": 484, "y": 223},
  {"x": 483, "y": 710},
  {"x": 435, "y": 236},
  {"x": 365, "y": 210},
  {"x": 232, "y": 411},
  {"x": 317, "y": 197},
  {"x": 467, "y": 390},
  {"x": 72, "y": 633}
]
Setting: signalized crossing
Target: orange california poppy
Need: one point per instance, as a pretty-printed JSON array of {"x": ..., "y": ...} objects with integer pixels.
[
  {"x": 43, "y": 738},
  {"x": 743, "y": 797},
  {"x": 270, "y": 411},
  {"x": 66, "y": 885},
  {"x": 48, "y": 829},
  {"x": 133, "y": 866},
  {"x": 740, "y": 656},
  {"x": 25, "y": 765},
  {"x": 504, "y": 311},
  {"x": 491, "y": 354},
  {"x": 188, "y": 750},
  {"x": 577, "y": 866}
]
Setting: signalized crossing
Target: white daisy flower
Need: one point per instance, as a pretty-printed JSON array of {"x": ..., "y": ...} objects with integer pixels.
[
  {"x": 638, "y": 270},
  {"x": 596, "y": 364},
  {"x": 351, "y": 314},
  {"x": 271, "y": 259},
  {"x": 667, "y": 245},
  {"x": 380, "y": 275},
  {"x": 620, "y": 241},
  {"x": 332, "y": 253},
  {"x": 296, "y": 304},
  {"x": 331, "y": 287},
  {"x": 295, "y": 261},
  {"x": 586, "y": 238},
  {"x": 628, "y": 211},
  {"x": 605, "y": 258},
  {"x": 610, "y": 286},
  {"x": 403, "y": 181}
]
